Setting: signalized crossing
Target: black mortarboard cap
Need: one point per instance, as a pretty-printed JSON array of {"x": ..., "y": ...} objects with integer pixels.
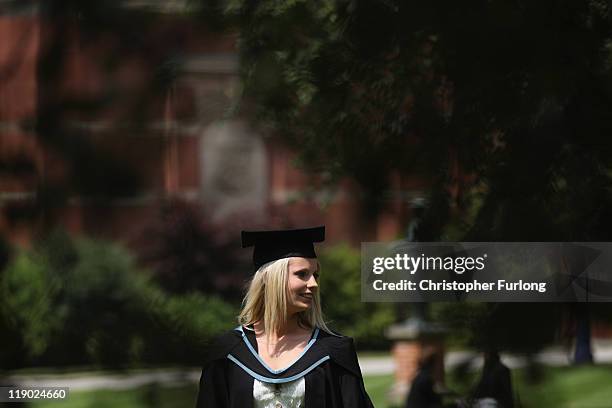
[{"x": 273, "y": 245}]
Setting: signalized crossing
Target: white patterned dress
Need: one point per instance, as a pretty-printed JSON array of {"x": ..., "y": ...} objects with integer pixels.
[{"x": 286, "y": 395}]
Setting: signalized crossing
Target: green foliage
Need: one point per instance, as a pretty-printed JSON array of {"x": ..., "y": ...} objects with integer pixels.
[
  {"x": 185, "y": 323},
  {"x": 504, "y": 104},
  {"x": 199, "y": 316},
  {"x": 514, "y": 327},
  {"x": 341, "y": 298},
  {"x": 29, "y": 295},
  {"x": 86, "y": 302},
  {"x": 514, "y": 95}
]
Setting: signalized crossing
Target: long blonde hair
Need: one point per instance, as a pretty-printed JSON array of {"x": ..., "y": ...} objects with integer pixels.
[{"x": 266, "y": 300}]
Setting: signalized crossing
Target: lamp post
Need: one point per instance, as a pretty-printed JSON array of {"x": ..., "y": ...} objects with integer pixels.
[{"x": 417, "y": 335}]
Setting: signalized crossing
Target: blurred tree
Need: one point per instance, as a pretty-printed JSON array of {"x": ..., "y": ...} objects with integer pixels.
[
  {"x": 79, "y": 301},
  {"x": 503, "y": 105},
  {"x": 186, "y": 253},
  {"x": 341, "y": 298}
]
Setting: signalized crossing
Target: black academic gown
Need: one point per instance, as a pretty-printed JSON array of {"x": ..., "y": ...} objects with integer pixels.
[
  {"x": 422, "y": 393},
  {"x": 496, "y": 383},
  {"x": 328, "y": 364}
]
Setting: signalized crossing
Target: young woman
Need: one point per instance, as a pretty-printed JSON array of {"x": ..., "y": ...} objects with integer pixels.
[{"x": 283, "y": 355}]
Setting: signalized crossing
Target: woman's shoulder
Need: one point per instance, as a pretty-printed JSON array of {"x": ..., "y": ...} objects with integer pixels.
[
  {"x": 334, "y": 337},
  {"x": 341, "y": 350},
  {"x": 230, "y": 336},
  {"x": 336, "y": 340}
]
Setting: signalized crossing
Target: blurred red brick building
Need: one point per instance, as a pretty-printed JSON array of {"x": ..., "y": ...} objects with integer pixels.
[{"x": 158, "y": 99}]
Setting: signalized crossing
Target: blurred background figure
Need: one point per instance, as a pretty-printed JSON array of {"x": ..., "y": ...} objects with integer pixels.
[
  {"x": 422, "y": 393},
  {"x": 495, "y": 386}
]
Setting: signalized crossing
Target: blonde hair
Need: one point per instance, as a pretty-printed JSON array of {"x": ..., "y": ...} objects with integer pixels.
[{"x": 266, "y": 300}]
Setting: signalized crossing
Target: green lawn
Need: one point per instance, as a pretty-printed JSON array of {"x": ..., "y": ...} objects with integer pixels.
[
  {"x": 560, "y": 387},
  {"x": 377, "y": 387},
  {"x": 152, "y": 396},
  {"x": 568, "y": 387}
]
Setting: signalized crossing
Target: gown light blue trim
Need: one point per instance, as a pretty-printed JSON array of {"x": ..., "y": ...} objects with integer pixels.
[
  {"x": 248, "y": 343},
  {"x": 277, "y": 380}
]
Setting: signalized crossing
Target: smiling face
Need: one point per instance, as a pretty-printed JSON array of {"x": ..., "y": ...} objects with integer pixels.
[{"x": 302, "y": 284}]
